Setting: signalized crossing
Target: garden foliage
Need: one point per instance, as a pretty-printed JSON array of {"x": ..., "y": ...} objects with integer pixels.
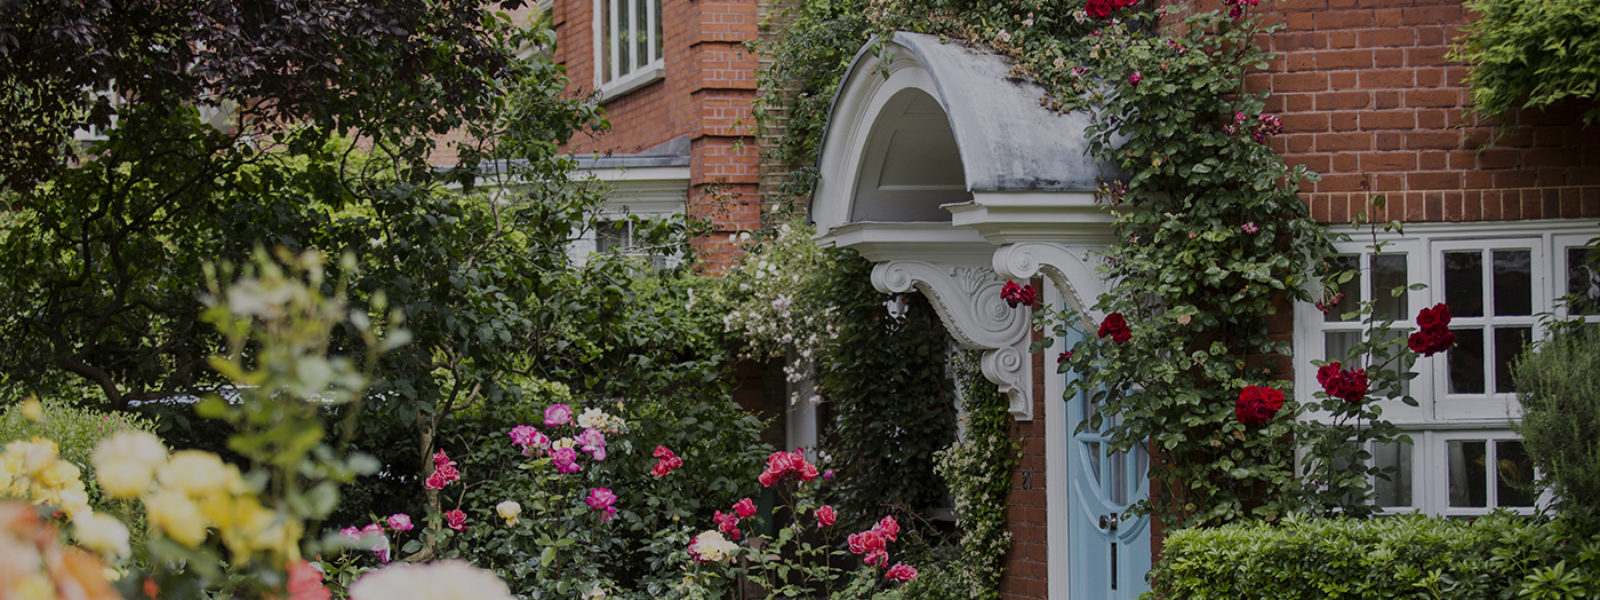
[
  {"x": 1559, "y": 387},
  {"x": 75, "y": 430},
  {"x": 881, "y": 379},
  {"x": 1493, "y": 557},
  {"x": 1532, "y": 54},
  {"x": 1211, "y": 240}
]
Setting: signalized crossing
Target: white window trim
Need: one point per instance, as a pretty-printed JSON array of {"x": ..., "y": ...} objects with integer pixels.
[
  {"x": 1430, "y": 431},
  {"x": 649, "y": 192},
  {"x": 653, "y": 70}
]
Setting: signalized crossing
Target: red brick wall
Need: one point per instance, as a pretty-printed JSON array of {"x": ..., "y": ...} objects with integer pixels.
[
  {"x": 1026, "y": 514},
  {"x": 706, "y": 94},
  {"x": 1369, "y": 99}
]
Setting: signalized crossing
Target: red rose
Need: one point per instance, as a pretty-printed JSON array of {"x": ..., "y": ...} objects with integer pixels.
[
  {"x": 1327, "y": 372},
  {"x": 1015, "y": 294},
  {"x": 1257, "y": 404},
  {"x": 1099, "y": 9},
  {"x": 1116, "y": 327}
]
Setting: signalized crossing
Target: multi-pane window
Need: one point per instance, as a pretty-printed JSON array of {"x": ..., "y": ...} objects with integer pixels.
[
  {"x": 1497, "y": 280},
  {"x": 627, "y": 42}
]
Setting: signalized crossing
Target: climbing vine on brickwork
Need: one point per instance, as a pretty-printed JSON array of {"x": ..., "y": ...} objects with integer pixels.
[{"x": 1214, "y": 243}]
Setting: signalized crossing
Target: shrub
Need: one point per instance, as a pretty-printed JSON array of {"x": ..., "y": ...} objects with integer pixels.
[
  {"x": 640, "y": 553},
  {"x": 1559, "y": 387},
  {"x": 1496, "y": 556},
  {"x": 76, "y": 432},
  {"x": 1532, "y": 54}
]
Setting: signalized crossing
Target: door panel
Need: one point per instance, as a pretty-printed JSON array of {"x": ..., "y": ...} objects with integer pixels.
[{"x": 1110, "y": 549}]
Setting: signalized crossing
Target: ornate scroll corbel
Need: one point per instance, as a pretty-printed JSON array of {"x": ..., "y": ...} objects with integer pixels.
[
  {"x": 1070, "y": 269},
  {"x": 968, "y": 301}
]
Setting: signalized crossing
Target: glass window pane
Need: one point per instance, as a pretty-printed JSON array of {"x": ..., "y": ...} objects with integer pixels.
[
  {"x": 1513, "y": 282},
  {"x": 1117, "y": 465},
  {"x": 1508, "y": 345},
  {"x": 1466, "y": 465},
  {"x": 1583, "y": 282},
  {"x": 1514, "y": 483},
  {"x": 611, "y": 235},
  {"x": 1337, "y": 344},
  {"x": 624, "y": 36},
  {"x": 1091, "y": 451},
  {"x": 1388, "y": 273},
  {"x": 1463, "y": 283},
  {"x": 1466, "y": 362},
  {"x": 1393, "y": 485},
  {"x": 607, "y": 40},
  {"x": 641, "y": 32},
  {"x": 1348, "y": 297}
]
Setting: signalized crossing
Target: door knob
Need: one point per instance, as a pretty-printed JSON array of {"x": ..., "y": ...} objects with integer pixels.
[{"x": 1108, "y": 521}]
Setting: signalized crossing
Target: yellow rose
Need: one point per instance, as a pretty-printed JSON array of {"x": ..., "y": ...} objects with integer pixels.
[
  {"x": 123, "y": 479},
  {"x": 130, "y": 448},
  {"x": 509, "y": 510},
  {"x": 177, "y": 516},
  {"x": 74, "y": 501},
  {"x": 59, "y": 474},
  {"x": 36, "y": 455},
  {"x": 32, "y": 410},
  {"x": 195, "y": 472},
  {"x": 103, "y": 534}
]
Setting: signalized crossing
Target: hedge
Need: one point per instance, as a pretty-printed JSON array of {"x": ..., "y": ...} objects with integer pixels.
[{"x": 1499, "y": 556}]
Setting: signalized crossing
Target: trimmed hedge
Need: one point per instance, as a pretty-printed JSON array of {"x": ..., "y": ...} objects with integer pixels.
[{"x": 1499, "y": 556}]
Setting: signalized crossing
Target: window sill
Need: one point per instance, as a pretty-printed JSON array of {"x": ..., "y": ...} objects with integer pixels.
[{"x": 626, "y": 84}]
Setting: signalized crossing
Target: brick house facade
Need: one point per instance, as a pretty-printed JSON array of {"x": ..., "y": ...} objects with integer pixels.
[
  {"x": 1368, "y": 98},
  {"x": 703, "y": 94}
]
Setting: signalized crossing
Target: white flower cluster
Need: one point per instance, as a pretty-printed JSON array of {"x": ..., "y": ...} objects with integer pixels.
[
  {"x": 608, "y": 424},
  {"x": 710, "y": 546},
  {"x": 792, "y": 312}
]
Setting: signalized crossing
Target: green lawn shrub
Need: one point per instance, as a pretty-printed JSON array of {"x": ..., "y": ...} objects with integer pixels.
[
  {"x": 1559, "y": 387},
  {"x": 76, "y": 432},
  {"x": 1495, "y": 557}
]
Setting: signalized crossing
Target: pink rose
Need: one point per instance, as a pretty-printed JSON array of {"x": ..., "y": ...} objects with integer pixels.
[
  {"x": 728, "y": 524},
  {"x": 877, "y": 558},
  {"x": 602, "y": 499},
  {"x": 667, "y": 462},
  {"x": 900, "y": 572},
  {"x": 889, "y": 528},
  {"x": 456, "y": 519},
  {"x": 1135, "y": 78},
  {"x": 557, "y": 415},
  {"x": 351, "y": 533},
  {"x": 443, "y": 475},
  {"x": 440, "y": 459},
  {"x": 528, "y": 437},
  {"x": 866, "y": 541},
  {"x": 593, "y": 442},
  {"x": 745, "y": 508},
  {"x": 825, "y": 516},
  {"x": 565, "y": 460},
  {"x": 400, "y": 522}
]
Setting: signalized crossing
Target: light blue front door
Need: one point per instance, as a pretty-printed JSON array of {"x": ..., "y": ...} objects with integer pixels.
[{"x": 1110, "y": 549}]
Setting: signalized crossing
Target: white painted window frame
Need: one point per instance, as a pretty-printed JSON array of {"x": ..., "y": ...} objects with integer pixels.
[
  {"x": 617, "y": 77},
  {"x": 1440, "y": 417}
]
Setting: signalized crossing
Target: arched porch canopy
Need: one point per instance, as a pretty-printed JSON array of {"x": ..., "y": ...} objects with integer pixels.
[{"x": 952, "y": 177}]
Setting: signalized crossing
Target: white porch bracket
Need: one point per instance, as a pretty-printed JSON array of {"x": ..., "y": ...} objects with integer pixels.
[
  {"x": 1071, "y": 269},
  {"x": 968, "y": 301}
]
